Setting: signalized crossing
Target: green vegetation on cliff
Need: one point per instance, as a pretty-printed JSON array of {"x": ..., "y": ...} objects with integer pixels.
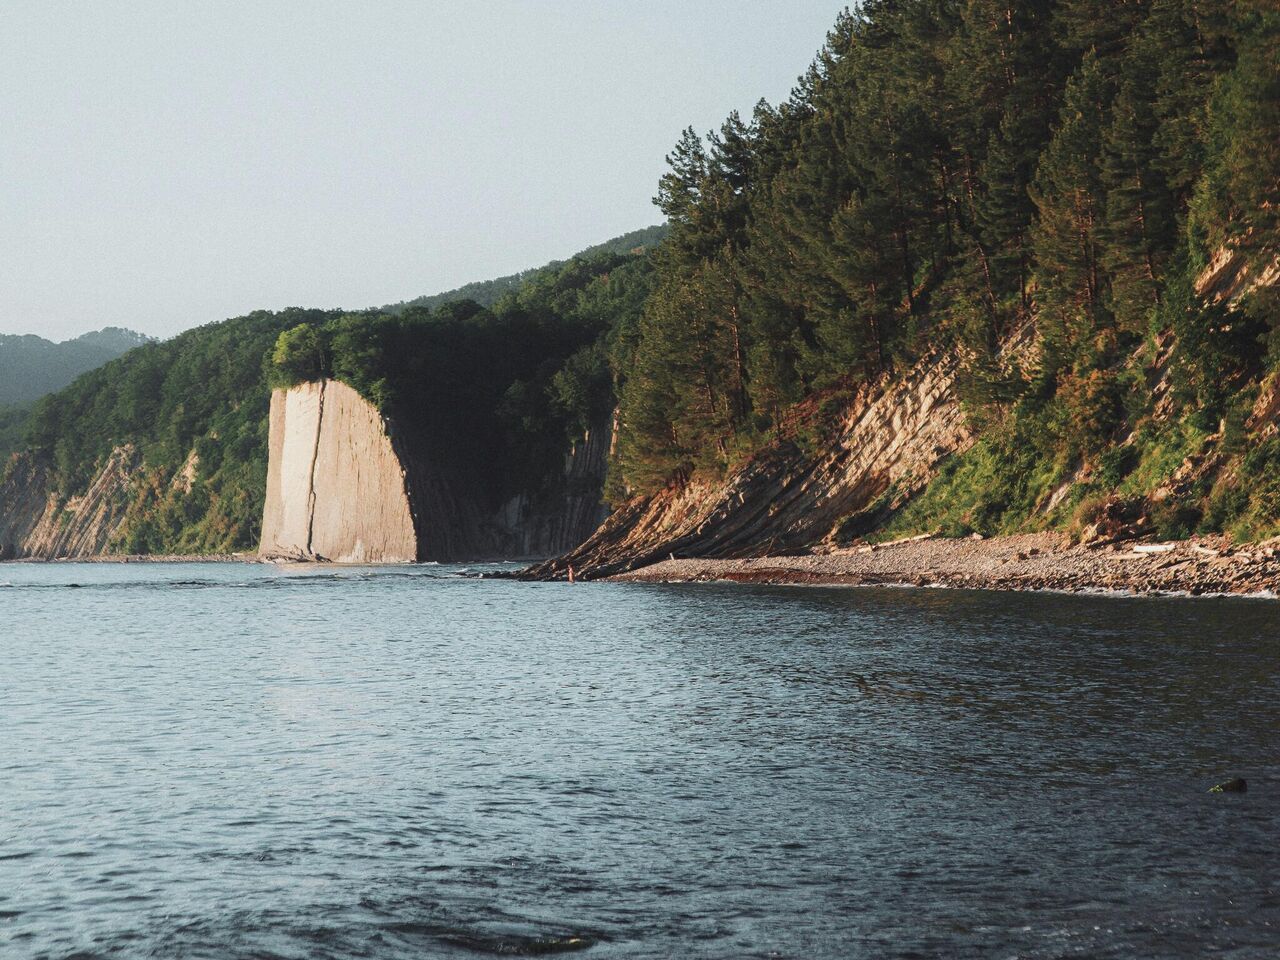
[
  {"x": 203, "y": 391},
  {"x": 947, "y": 173},
  {"x": 505, "y": 388},
  {"x": 32, "y": 367},
  {"x": 1074, "y": 197},
  {"x": 488, "y": 292}
]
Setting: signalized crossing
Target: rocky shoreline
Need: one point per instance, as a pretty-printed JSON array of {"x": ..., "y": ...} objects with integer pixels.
[
  {"x": 1044, "y": 561},
  {"x": 1203, "y": 566}
]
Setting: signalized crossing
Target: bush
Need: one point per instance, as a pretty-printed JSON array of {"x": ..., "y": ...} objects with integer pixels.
[{"x": 299, "y": 357}]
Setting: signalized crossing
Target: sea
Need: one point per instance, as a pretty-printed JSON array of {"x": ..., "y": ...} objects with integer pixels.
[{"x": 246, "y": 761}]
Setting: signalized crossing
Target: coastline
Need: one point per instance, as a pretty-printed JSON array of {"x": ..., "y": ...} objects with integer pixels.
[
  {"x": 1202, "y": 566},
  {"x": 1044, "y": 561},
  {"x": 146, "y": 558}
]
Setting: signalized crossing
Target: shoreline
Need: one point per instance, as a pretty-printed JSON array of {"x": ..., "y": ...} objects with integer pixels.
[
  {"x": 145, "y": 558},
  {"x": 1203, "y": 566}
]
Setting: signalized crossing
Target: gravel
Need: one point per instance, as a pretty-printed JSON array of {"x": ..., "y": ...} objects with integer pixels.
[{"x": 1044, "y": 561}]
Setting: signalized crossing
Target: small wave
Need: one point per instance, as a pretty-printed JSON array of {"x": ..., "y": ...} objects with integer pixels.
[{"x": 336, "y": 578}]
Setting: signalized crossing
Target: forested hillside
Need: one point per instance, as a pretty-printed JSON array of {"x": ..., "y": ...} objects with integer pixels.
[
  {"x": 947, "y": 173},
  {"x": 991, "y": 267},
  {"x": 488, "y": 292},
  {"x": 506, "y": 389}
]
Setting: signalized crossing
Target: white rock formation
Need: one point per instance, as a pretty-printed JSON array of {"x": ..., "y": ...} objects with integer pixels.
[{"x": 336, "y": 489}]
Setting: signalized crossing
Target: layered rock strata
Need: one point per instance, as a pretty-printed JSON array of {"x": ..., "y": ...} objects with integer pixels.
[
  {"x": 38, "y": 522},
  {"x": 887, "y": 447}
]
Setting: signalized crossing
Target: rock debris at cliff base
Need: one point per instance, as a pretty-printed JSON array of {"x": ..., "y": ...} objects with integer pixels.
[{"x": 1027, "y": 562}]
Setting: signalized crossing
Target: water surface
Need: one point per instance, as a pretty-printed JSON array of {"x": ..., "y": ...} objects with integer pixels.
[{"x": 224, "y": 761}]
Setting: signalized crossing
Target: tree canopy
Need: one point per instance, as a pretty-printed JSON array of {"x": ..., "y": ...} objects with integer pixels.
[{"x": 944, "y": 172}]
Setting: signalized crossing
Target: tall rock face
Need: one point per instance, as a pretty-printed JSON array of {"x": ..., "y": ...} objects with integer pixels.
[
  {"x": 568, "y": 510},
  {"x": 336, "y": 488},
  {"x": 887, "y": 447},
  {"x": 1232, "y": 275},
  {"x": 344, "y": 484}
]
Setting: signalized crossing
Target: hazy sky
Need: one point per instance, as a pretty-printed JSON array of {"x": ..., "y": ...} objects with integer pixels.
[{"x": 164, "y": 163}]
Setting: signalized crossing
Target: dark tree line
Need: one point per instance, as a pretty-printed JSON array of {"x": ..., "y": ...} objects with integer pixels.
[
  {"x": 943, "y": 172},
  {"x": 504, "y": 389}
]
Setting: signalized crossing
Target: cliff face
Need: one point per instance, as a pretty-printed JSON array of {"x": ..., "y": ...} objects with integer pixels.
[
  {"x": 37, "y": 522},
  {"x": 335, "y": 486},
  {"x": 894, "y": 436},
  {"x": 345, "y": 485},
  {"x": 559, "y": 518},
  {"x": 1231, "y": 275},
  {"x": 887, "y": 447}
]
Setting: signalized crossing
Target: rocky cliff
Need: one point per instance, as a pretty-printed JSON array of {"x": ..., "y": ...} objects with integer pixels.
[
  {"x": 790, "y": 497},
  {"x": 38, "y": 522},
  {"x": 336, "y": 489},
  {"x": 559, "y": 518},
  {"x": 1231, "y": 275},
  {"x": 794, "y": 497},
  {"x": 344, "y": 484}
]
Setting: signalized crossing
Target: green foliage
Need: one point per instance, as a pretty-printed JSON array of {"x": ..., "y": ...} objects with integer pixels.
[
  {"x": 13, "y": 431},
  {"x": 502, "y": 389},
  {"x": 298, "y": 356},
  {"x": 486, "y": 293},
  {"x": 206, "y": 390},
  {"x": 1155, "y": 455},
  {"x": 993, "y": 488},
  {"x": 944, "y": 173},
  {"x": 1246, "y": 502},
  {"x": 1239, "y": 197}
]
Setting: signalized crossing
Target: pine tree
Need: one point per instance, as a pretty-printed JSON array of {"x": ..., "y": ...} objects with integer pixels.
[
  {"x": 1138, "y": 236},
  {"x": 1068, "y": 193},
  {"x": 1005, "y": 68},
  {"x": 1240, "y": 197},
  {"x": 1100, "y": 26}
]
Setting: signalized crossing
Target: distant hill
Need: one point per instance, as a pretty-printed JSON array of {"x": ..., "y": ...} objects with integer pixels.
[
  {"x": 32, "y": 366},
  {"x": 488, "y": 292}
]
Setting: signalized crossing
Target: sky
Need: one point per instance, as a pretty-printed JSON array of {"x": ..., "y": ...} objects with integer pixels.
[{"x": 167, "y": 163}]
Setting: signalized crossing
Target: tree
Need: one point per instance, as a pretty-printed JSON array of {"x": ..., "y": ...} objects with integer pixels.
[
  {"x": 1069, "y": 197},
  {"x": 1139, "y": 232},
  {"x": 299, "y": 356}
]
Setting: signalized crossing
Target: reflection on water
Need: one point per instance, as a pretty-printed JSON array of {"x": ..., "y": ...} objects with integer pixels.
[{"x": 238, "y": 761}]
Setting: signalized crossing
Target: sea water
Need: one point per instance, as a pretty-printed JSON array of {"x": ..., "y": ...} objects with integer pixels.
[{"x": 241, "y": 761}]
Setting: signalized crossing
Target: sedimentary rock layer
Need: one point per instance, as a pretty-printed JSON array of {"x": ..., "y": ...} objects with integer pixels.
[
  {"x": 889, "y": 444},
  {"x": 38, "y": 522}
]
